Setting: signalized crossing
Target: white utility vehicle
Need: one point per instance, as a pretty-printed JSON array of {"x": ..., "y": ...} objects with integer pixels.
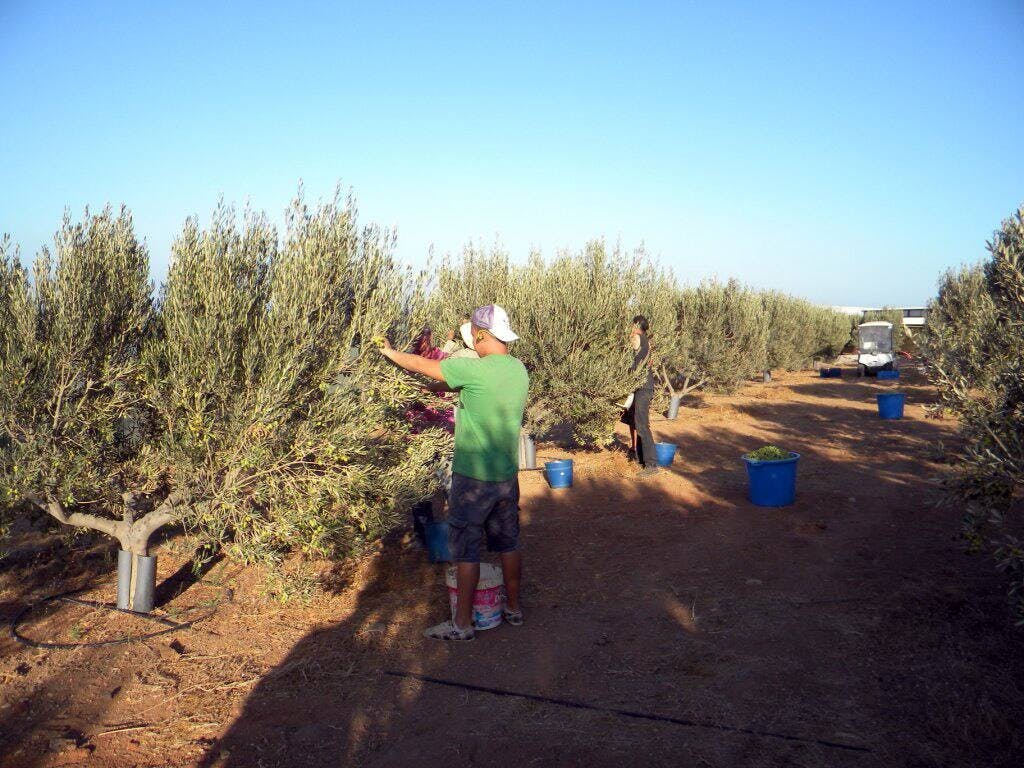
[{"x": 874, "y": 348}]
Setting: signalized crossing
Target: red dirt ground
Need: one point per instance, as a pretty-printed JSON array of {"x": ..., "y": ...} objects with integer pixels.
[{"x": 850, "y": 629}]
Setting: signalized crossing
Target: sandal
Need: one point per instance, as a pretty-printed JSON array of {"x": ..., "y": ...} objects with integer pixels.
[
  {"x": 447, "y": 630},
  {"x": 512, "y": 618}
]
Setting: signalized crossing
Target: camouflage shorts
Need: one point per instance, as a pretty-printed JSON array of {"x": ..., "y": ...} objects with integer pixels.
[
  {"x": 444, "y": 476},
  {"x": 477, "y": 508}
]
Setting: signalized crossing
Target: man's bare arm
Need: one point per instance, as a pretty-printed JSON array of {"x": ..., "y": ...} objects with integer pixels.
[{"x": 414, "y": 363}]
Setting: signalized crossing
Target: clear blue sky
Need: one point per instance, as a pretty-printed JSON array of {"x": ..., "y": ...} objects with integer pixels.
[{"x": 844, "y": 152}]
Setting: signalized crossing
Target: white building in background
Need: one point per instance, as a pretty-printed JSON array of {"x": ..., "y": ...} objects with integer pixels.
[{"x": 913, "y": 317}]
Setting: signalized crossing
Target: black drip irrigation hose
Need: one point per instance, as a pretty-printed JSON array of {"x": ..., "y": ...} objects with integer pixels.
[
  {"x": 66, "y": 597},
  {"x": 625, "y": 712}
]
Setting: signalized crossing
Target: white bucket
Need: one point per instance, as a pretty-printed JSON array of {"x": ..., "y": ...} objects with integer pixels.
[{"x": 488, "y": 599}]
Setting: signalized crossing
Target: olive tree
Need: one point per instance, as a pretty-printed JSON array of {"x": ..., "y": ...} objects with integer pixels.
[
  {"x": 799, "y": 331},
  {"x": 725, "y": 341},
  {"x": 572, "y": 314},
  {"x": 657, "y": 298},
  {"x": 787, "y": 327},
  {"x": 973, "y": 343},
  {"x": 962, "y": 345},
  {"x": 248, "y": 405},
  {"x": 832, "y": 332},
  {"x": 72, "y": 409},
  {"x": 479, "y": 276},
  {"x": 573, "y": 317},
  {"x": 995, "y": 474},
  {"x": 18, "y": 321},
  {"x": 282, "y": 426}
]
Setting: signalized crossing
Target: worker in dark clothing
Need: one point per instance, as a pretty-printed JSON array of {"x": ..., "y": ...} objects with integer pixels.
[{"x": 638, "y": 415}]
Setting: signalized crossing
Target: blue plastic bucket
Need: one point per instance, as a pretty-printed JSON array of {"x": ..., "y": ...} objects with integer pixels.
[
  {"x": 884, "y": 375},
  {"x": 437, "y": 542},
  {"x": 559, "y": 473},
  {"x": 666, "y": 453},
  {"x": 772, "y": 483},
  {"x": 890, "y": 405}
]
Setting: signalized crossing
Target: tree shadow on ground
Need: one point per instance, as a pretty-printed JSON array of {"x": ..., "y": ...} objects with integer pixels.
[
  {"x": 190, "y": 573},
  {"x": 750, "y": 636},
  {"x": 46, "y": 563},
  {"x": 609, "y": 628},
  {"x": 759, "y": 637},
  {"x": 66, "y": 692}
]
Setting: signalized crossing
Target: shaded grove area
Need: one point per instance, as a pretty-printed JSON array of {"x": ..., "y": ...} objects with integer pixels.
[{"x": 668, "y": 622}]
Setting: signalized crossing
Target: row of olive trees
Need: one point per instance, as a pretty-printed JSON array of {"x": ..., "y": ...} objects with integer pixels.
[
  {"x": 239, "y": 401},
  {"x": 573, "y": 313},
  {"x": 242, "y": 401},
  {"x": 973, "y": 345},
  {"x": 725, "y": 333}
]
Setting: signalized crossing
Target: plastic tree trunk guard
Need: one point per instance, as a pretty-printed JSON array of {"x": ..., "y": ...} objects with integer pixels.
[{"x": 136, "y": 581}]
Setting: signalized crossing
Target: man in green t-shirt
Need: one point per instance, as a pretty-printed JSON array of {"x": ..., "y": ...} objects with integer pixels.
[{"x": 484, "y": 499}]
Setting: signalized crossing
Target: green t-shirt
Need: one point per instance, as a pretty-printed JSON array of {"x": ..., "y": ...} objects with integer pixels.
[{"x": 492, "y": 396}]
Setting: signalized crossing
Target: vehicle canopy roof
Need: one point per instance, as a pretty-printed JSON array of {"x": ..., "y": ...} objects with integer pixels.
[{"x": 876, "y": 324}]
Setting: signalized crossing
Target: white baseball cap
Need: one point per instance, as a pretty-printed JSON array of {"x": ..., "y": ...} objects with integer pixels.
[{"x": 494, "y": 319}]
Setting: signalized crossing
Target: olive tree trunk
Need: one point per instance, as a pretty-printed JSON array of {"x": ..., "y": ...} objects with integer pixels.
[
  {"x": 676, "y": 395},
  {"x": 136, "y": 568}
]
